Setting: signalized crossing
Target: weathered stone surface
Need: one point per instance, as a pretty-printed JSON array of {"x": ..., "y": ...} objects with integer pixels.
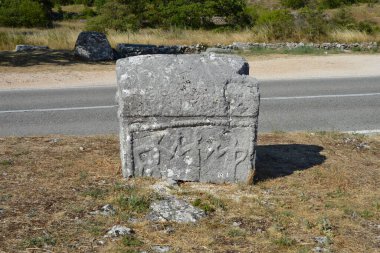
[
  {"x": 106, "y": 210},
  {"x": 93, "y": 46},
  {"x": 118, "y": 230},
  {"x": 27, "y": 48},
  {"x": 161, "y": 249},
  {"x": 188, "y": 117},
  {"x": 126, "y": 50},
  {"x": 175, "y": 210}
]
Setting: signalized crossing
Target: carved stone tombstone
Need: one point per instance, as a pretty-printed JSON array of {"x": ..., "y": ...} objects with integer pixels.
[{"x": 188, "y": 117}]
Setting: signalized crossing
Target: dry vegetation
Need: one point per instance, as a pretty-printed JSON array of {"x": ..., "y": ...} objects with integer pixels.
[
  {"x": 323, "y": 184},
  {"x": 64, "y": 35}
]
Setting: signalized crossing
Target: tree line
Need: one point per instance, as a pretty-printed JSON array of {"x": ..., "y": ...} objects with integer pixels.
[{"x": 306, "y": 17}]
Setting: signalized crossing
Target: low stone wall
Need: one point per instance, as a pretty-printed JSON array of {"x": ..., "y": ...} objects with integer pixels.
[{"x": 292, "y": 45}]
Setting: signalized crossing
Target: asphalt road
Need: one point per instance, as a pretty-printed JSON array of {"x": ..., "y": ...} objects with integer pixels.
[{"x": 339, "y": 104}]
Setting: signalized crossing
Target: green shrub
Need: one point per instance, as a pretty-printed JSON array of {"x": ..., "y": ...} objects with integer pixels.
[
  {"x": 126, "y": 15},
  {"x": 294, "y": 4},
  {"x": 25, "y": 13},
  {"x": 312, "y": 23},
  {"x": 278, "y": 23}
]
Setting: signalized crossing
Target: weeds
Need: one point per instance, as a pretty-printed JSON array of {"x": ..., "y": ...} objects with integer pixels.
[
  {"x": 39, "y": 242},
  {"x": 236, "y": 232},
  {"x": 285, "y": 241},
  {"x": 95, "y": 192},
  {"x": 131, "y": 241},
  {"x": 209, "y": 203}
]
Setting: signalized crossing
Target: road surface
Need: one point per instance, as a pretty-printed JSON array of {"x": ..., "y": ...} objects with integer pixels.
[{"x": 339, "y": 104}]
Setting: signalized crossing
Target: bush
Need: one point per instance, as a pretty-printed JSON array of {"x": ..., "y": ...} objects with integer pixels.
[
  {"x": 294, "y": 4},
  {"x": 25, "y": 13},
  {"x": 312, "y": 23},
  {"x": 169, "y": 13},
  {"x": 114, "y": 15},
  {"x": 278, "y": 23},
  {"x": 344, "y": 19}
]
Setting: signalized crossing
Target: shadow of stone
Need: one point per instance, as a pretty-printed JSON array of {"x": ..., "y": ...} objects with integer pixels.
[
  {"x": 275, "y": 161},
  {"x": 43, "y": 57}
]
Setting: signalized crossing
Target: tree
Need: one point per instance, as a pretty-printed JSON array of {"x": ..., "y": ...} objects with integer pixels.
[{"x": 26, "y": 13}]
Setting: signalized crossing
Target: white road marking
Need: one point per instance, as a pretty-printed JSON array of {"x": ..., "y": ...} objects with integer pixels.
[
  {"x": 323, "y": 96},
  {"x": 366, "y": 132},
  {"x": 113, "y": 106},
  {"x": 60, "y": 109}
]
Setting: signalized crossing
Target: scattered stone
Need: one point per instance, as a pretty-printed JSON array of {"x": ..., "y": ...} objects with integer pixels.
[
  {"x": 2, "y": 211},
  {"x": 237, "y": 224},
  {"x": 100, "y": 242},
  {"x": 189, "y": 117},
  {"x": 176, "y": 210},
  {"x": 55, "y": 140},
  {"x": 161, "y": 249},
  {"x": 119, "y": 230},
  {"x": 322, "y": 240},
  {"x": 81, "y": 148},
  {"x": 172, "y": 182},
  {"x": 320, "y": 250},
  {"x": 162, "y": 188},
  {"x": 106, "y": 210},
  {"x": 133, "y": 220},
  {"x": 169, "y": 230},
  {"x": 363, "y": 145},
  {"x": 93, "y": 46},
  {"x": 28, "y": 48}
]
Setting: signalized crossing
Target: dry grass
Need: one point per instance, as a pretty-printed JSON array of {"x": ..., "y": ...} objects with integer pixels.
[
  {"x": 66, "y": 33},
  {"x": 309, "y": 185},
  {"x": 351, "y": 36}
]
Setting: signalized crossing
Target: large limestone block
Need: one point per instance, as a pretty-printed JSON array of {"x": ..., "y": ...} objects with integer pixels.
[
  {"x": 188, "y": 117},
  {"x": 93, "y": 46}
]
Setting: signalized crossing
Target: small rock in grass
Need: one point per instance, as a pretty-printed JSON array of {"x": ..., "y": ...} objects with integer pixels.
[
  {"x": 106, "y": 210},
  {"x": 161, "y": 249},
  {"x": 81, "y": 148},
  {"x": 119, "y": 230},
  {"x": 176, "y": 210},
  {"x": 363, "y": 145},
  {"x": 320, "y": 250},
  {"x": 322, "y": 239},
  {"x": 28, "y": 48},
  {"x": 2, "y": 211},
  {"x": 172, "y": 182}
]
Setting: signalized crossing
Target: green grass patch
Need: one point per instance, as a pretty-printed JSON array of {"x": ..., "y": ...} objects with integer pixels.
[
  {"x": 131, "y": 241},
  {"x": 39, "y": 242},
  {"x": 285, "y": 241},
  {"x": 236, "y": 232},
  {"x": 96, "y": 193}
]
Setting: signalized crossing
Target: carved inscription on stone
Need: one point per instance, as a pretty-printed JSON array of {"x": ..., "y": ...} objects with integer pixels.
[{"x": 193, "y": 154}]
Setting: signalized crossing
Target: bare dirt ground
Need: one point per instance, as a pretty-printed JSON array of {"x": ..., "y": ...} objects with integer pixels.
[
  {"x": 308, "y": 185},
  {"x": 61, "y": 69}
]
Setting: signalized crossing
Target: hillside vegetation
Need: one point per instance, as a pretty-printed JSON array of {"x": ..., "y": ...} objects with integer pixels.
[{"x": 58, "y": 22}]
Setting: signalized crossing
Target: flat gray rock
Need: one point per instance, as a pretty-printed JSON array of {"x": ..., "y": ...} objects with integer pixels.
[
  {"x": 119, "y": 230},
  {"x": 175, "y": 210},
  {"x": 28, "y": 48},
  {"x": 93, "y": 46},
  {"x": 161, "y": 249},
  {"x": 188, "y": 117},
  {"x": 106, "y": 210}
]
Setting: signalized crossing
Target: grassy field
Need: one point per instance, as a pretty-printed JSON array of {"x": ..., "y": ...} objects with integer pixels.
[
  {"x": 64, "y": 35},
  {"x": 308, "y": 185}
]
